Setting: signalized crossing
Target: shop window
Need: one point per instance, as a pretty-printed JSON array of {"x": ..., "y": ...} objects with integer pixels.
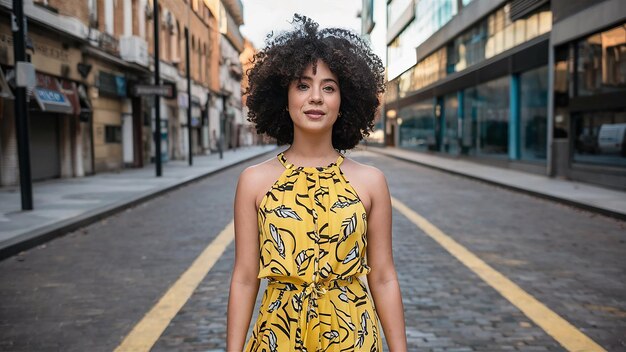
[
  {"x": 486, "y": 119},
  {"x": 112, "y": 134},
  {"x": 600, "y": 138},
  {"x": 533, "y": 113},
  {"x": 416, "y": 126},
  {"x": 601, "y": 63},
  {"x": 450, "y": 140}
]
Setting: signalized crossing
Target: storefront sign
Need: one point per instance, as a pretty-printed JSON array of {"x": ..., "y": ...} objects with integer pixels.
[
  {"x": 166, "y": 90},
  {"x": 111, "y": 85},
  {"x": 49, "y": 96},
  {"x": 183, "y": 100},
  {"x": 49, "y": 51}
]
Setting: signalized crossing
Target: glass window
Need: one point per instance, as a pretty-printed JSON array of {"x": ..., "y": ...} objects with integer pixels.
[
  {"x": 601, "y": 65},
  {"x": 600, "y": 138},
  {"x": 430, "y": 16},
  {"x": 486, "y": 118},
  {"x": 395, "y": 9},
  {"x": 532, "y": 26},
  {"x": 469, "y": 144},
  {"x": 391, "y": 94},
  {"x": 450, "y": 141},
  {"x": 416, "y": 126},
  {"x": 533, "y": 113},
  {"x": 112, "y": 134},
  {"x": 494, "y": 35},
  {"x": 426, "y": 72},
  {"x": 401, "y": 52}
]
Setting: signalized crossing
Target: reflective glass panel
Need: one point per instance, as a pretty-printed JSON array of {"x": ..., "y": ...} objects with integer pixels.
[
  {"x": 600, "y": 138},
  {"x": 450, "y": 141},
  {"x": 533, "y": 113},
  {"x": 417, "y": 127},
  {"x": 486, "y": 118},
  {"x": 601, "y": 62}
]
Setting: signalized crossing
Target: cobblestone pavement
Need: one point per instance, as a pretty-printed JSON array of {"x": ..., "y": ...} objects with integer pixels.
[{"x": 85, "y": 291}]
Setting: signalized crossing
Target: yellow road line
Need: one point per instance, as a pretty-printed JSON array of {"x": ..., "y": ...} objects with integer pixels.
[
  {"x": 146, "y": 333},
  {"x": 560, "y": 329}
]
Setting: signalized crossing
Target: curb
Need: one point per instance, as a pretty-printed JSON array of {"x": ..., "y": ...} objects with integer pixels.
[
  {"x": 39, "y": 236},
  {"x": 575, "y": 204}
]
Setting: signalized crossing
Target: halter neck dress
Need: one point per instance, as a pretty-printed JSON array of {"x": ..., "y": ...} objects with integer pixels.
[{"x": 312, "y": 236}]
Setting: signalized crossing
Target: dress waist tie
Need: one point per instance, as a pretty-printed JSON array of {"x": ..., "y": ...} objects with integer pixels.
[{"x": 306, "y": 301}]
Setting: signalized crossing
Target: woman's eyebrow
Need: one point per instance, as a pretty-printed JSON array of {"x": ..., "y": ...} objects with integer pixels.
[{"x": 307, "y": 78}]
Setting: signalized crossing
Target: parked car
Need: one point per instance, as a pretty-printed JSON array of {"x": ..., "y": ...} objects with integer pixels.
[{"x": 612, "y": 139}]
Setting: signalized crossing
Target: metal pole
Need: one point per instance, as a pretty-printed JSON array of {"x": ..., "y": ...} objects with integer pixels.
[
  {"x": 550, "y": 169},
  {"x": 189, "y": 132},
  {"x": 21, "y": 113},
  {"x": 222, "y": 127},
  {"x": 157, "y": 82}
]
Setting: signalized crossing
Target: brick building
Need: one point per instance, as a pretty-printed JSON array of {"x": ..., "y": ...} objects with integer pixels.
[{"x": 92, "y": 53}]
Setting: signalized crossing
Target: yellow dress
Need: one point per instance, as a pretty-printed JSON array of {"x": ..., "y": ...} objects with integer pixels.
[{"x": 312, "y": 235}]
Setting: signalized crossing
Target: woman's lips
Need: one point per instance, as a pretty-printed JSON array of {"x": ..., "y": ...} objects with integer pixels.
[{"x": 314, "y": 114}]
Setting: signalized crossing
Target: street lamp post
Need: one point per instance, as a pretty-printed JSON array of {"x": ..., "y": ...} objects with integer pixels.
[
  {"x": 21, "y": 113},
  {"x": 189, "y": 133},
  {"x": 157, "y": 101}
]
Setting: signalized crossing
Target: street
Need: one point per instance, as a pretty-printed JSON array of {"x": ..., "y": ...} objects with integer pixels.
[{"x": 87, "y": 290}]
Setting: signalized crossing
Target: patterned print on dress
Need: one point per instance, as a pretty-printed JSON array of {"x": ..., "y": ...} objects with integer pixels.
[
  {"x": 286, "y": 212},
  {"x": 312, "y": 237}
]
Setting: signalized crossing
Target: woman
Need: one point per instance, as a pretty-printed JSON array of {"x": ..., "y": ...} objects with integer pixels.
[{"x": 317, "y": 91}]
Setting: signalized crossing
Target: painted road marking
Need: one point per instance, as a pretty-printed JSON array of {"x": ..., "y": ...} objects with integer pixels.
[
  {"x": 146, "y": 333},
  {"x": 560, "y": 329}
]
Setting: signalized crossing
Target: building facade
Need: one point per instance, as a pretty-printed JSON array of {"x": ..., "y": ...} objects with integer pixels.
[
  {"x": 87, "y": 114},
  {"x": 59, "y": 116},
  {"x": 518, "y": 84},
  {"x": 370, "y": 32}
]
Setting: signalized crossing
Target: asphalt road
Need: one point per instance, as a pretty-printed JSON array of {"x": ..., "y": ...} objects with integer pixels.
[{"x": 85, "y": 291}]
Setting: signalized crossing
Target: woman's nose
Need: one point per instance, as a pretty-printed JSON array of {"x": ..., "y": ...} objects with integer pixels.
[{"x": 315, "y": 97}]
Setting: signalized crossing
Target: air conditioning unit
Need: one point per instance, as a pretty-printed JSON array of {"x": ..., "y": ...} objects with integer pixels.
[{"x": 134, "y": 49}]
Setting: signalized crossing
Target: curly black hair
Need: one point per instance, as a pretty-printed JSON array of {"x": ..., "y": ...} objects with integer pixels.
[{"x": 284, "y": 59}]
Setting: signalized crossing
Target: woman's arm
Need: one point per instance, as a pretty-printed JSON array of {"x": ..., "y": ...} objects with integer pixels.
[
  {"x": 382, "y": 279},
  {"x": 244, "y": 284}
]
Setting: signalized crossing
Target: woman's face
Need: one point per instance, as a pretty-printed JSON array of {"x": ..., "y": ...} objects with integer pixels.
[{"x": 314, "y": 99}]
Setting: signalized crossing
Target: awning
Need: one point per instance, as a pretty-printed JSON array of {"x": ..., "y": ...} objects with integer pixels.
[
  {"x": 49, "y": 96},
  {"x": 5, "y": 91}
]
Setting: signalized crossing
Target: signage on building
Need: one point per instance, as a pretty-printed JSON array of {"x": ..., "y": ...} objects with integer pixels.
[
  {"x": 111, "y": 85},
  {"x": 50, "y": 97},
  {"x": 166, "y": 90},
  {"x": 183, "y": 100}
]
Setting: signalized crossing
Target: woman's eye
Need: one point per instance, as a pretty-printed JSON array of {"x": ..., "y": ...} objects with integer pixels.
[
  {"x": 302, "y": 86},
  {"x": 329, "y": 89}
]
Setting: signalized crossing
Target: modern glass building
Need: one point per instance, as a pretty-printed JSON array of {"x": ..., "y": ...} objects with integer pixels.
[{"x": 525, "y": 84}]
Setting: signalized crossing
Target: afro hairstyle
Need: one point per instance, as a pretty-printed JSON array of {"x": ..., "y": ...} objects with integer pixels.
[{"x": 285, "y": 58}]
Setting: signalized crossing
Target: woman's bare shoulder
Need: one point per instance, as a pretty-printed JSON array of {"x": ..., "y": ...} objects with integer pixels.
[
  {"x": 365, "y": 179},
  {"x": 258, "y": 178}
]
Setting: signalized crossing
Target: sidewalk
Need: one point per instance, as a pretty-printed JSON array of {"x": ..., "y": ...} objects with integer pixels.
[
  {"x": 63, "y": 205},
  {"x": 586, "y": 196}
]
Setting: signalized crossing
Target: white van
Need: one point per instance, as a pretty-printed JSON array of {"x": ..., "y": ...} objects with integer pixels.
[{"x": 612, "y": 138}]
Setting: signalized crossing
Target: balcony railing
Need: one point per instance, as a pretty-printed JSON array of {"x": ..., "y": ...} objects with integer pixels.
[{"x": 108, "y": 43}]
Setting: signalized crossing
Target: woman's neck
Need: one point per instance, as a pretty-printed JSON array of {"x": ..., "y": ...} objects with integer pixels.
[{"x": 311, "y": 149}]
